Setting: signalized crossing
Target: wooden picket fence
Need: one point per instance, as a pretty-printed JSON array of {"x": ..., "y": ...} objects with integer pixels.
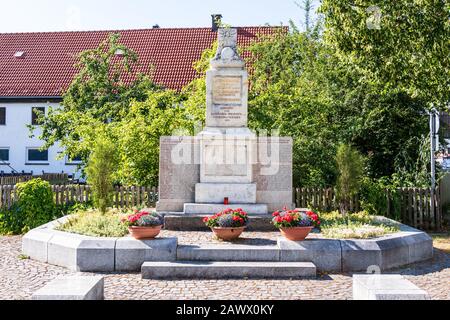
[
  {"x": 321, "y": 199},
  {"x": 416, "y": 210},
  {"x": 53, "y": 178},
  {"x": 411, "y": 205},
  {"x": 123, "y": 197}
]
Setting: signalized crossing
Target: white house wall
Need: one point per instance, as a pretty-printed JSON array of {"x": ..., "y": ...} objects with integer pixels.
[{"x": 15, "y": 135}]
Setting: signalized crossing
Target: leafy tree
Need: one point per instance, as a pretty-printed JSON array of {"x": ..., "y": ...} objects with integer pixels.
[
  {"x": 350, "y": 167},
  {"x": 388, "y": 129},
  {"x": 300, "y": 85},
  {"x": 98, "y": 93},
  {"x": 100, "y": 169},
  {"x": 401, "y": 45},
  {"x": 138, "y": 135},
  {"x": 194, "y": 93}
]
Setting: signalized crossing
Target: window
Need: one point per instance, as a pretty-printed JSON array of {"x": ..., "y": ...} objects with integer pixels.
[
  {"x": 73, "y": 160},
  {"x": 35, "y": 155},
  {"x": 35, "y": 113},
  {"x": 2, "y": 116},
  {"x": 4, "y": 155}
]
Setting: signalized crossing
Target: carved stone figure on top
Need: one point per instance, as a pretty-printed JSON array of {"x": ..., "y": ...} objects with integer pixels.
[{"x": 227, "y": 53}]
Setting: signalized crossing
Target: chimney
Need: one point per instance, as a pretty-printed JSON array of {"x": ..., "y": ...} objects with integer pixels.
[{"x": 216, "y": 20}]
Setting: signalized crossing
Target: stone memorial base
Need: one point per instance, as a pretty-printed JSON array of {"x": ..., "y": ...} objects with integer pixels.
[
  {"x": 237, "y": 193},
  {"x": 180, "y": 181},
  {"x": 211, "y": 208}
]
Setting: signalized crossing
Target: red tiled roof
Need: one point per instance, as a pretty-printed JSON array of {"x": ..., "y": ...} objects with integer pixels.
[{"x": 48, "y": 66}]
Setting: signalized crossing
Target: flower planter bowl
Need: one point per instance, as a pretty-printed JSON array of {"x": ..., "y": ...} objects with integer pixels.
[
  {"x": 228, "y": 234},
  {"x": 142, "y": 233},
  {"x": 296, "y": 233}
]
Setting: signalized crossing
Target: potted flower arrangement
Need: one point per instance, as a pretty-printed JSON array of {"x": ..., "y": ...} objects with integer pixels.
[
  {"x": 295, "y": 225},
  {"x": 144, "y": 224},
  {"x": 228, "y": 224}
]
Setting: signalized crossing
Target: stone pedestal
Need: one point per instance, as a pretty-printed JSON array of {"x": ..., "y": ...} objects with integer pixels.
[
  {"x": 227, "y": 146},
  {"x": 178, "y": 179},
  {"x": 211, "y": 208}
]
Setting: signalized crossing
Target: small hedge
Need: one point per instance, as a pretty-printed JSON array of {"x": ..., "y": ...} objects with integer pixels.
[{"x": 35, "y": 206}]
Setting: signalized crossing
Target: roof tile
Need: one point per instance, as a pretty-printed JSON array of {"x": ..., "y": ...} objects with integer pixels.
[{"x": 48, "y": 66}]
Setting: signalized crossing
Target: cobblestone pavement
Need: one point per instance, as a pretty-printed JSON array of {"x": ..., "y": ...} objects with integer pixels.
[{"x": 19, "y": 278}]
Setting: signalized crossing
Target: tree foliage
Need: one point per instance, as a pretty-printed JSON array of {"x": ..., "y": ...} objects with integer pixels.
[
  {"x": 302, "y": 87},
  {"x": 97, "y": 94},
  {"x": 138, "y": 135},
  {"x": 401, "y": 45}
]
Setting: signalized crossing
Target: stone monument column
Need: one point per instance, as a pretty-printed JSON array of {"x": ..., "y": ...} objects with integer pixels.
[
  {"x": 227, "y": 147},
  {"x": 226, "y": 160}
]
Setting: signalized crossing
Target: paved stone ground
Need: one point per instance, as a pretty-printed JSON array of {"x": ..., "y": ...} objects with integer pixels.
[
  {"x": 19, "y": 278},
  {"x": 247, "y": 238}
]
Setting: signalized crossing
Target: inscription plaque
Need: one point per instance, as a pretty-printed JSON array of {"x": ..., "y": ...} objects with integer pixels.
[{"x": 227, "y": 90}]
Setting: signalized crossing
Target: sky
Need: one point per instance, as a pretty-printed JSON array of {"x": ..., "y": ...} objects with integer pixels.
[{"x": 74, "y": 15}]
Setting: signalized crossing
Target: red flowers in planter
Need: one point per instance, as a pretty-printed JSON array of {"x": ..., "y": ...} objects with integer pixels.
[
  {"x": 142, "y": 218},
  {"x": 227, "y": 218},
  {"x": 314, "y": 217},
  {"x": 295, "y": 218}
]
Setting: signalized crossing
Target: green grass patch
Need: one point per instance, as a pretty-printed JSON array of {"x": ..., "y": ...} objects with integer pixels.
[
  {"x": 354, "y": 226},
  {"x": 92, "y": 223}
]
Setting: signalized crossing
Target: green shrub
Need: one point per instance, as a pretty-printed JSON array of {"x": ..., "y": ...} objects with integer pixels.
[
  {"x": 350, "y": 164},
  {"x": 35, "y": 203},
  {"x": 373, "y": 198},
  {"x": 100, "y": 169},
  {"x": 33, "y": 208},
  {"x": 11, "y": 220},
  {"x": 72, "y": 207}
]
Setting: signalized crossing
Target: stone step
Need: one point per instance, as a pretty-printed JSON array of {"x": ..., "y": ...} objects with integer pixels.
[
  {"x": 386, "y": 287},
  {"x": 228, "y": 252},
  {"x": 216, "y": 192},
  {"x": 182, "y": 222},
  {"x": 227, "y": 270},
  {"x": 72, "y": 288},
  {"x": 208, "y": 208}
]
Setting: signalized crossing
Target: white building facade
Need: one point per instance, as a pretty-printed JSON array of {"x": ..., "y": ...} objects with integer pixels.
[{"x": 19, "y": 152}]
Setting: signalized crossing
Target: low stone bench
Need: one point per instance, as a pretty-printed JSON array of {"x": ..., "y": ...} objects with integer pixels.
[
  {"x": 72, "y": 288},
  {"x": 386, "y": 287}
]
